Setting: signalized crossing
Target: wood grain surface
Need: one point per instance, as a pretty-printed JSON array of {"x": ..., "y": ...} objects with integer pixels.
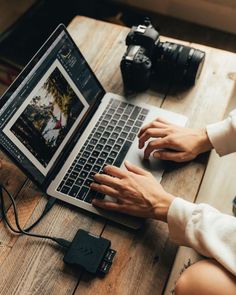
[{"x": 144, "y": 257}]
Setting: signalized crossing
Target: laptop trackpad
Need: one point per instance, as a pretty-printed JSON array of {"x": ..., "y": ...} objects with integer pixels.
[{"x": 155, "y": 166}]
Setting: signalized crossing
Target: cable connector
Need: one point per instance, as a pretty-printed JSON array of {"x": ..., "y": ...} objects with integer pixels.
[{"x": 90, "y": 252}]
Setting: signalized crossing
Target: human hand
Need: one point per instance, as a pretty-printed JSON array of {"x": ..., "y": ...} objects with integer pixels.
[
  {"x": 136, "y": 191},
  {"x": 173, "y": 142}
]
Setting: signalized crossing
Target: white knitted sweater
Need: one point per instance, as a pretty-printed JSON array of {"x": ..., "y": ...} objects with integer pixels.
[{"x": 200, "y": 226}]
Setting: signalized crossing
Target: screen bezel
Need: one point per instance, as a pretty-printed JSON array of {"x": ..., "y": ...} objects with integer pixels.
[{"x": 14, "y": 86}]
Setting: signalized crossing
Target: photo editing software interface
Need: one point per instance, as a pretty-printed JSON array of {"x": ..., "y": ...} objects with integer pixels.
[{"x": 41, "y": 115}]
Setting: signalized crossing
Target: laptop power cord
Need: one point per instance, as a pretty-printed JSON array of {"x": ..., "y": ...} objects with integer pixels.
[{"x": 86, "y": 251}]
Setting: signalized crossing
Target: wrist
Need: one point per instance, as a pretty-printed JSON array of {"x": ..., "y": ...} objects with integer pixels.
[
  {"x": 162, "y": 207},
  {"x": 204, "y": 141}
]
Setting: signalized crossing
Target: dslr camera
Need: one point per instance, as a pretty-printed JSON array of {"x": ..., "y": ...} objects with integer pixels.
[{"x": 148, "y": 57}]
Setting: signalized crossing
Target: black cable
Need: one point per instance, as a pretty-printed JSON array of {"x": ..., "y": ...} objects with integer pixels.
[{"x": 60, "y": 241}]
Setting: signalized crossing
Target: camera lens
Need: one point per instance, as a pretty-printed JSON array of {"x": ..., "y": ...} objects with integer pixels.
[{"x": 182, "y": 64}]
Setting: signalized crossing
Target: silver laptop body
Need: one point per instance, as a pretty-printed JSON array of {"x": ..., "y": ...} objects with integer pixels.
[{"x": 47, "y": 117}]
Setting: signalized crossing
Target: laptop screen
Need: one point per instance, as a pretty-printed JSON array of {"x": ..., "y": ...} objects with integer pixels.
[{"x": 47, "y": 106}]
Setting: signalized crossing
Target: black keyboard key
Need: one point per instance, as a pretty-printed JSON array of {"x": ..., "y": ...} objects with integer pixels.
[
  {"x": 106, "y": 134},
  {"x": 89, "y": 148},
  {"x": 116, "y": 116},
  {"x": 119, "y": 110},
  {"x": 87, "y": 167},
  {"x": 93, "y": 141},
  {"x": 67, "y": 174},
  {"x": 77, "y": 157},
  {"x": 135, "y": 129},
  {"x": 121, "y": 123},
  {"x": 60, "y": 186},
  {"x": 104, "y": 123},
  {"x": 144, "y": 111},
  {"x": 127, "y": 128},
  {"x": 102, "y": 140},
  {"x": 107, "y": 148},
  {"x": 111, "y": 111},
  {"x": 79, "y": 181},
  {"x": 141, "y": 117},
  {"x": 101, "y": 171},
  {"x": 92, "y": 173},
  {"x": 100, "y": 162},
  {"x": 78, "y": 168},
  {"x": 88, "y": 182},
  {"x": 135, "y": 113},
  {"x": 65, "y": 190},
  {"x": 109, "y": 161},
  {"x": 129, "y": 109},
  {"x": 108, "y": 117},
  {"x": 122, "y": 153},
  {"x": 70, "y": 182},
  {"x": 123, "y": 105},
  {"x": 97, "y": 135},
  {"x": 113, "y": 122},
  {"x": 130, "y": 122},
  {"x": 138, "y": 123},
  {"x": 86, "y": 154},
  {"x": 110, "y": 128},
  {"x": 118, "y": 129},
  {"x": 131, "y": 136},
  {"x": 74, "y": 191},
  {"x": 91, "y": 160},
  {"x": 90, "y": 196},
  {"x": 124, "y": 117},
  {"x": 116, "y": 147},
  {"x": 74, "y": 175},
  {"x": 120, "y": 141},
  {"x": 113, "y": 154},
  {"x": 86, "y": 142},
  {"x": 111, "y": 141},
  {"x": 95, "y": 154},
  {"x": 123, "y": 134},
  {"x": 96, "y": 168},
  {"x": 81, "y": 151},
  {"x": 114, "y": 135},
  {"x": 98, "y": 147},
  {"x": 82, "y": 193},
  {"x": 83, "y": 174},
  {"x": 104, "y": 155}
]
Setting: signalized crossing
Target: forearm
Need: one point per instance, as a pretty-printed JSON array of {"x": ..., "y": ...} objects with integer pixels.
[{"x": 205, "y": 229}]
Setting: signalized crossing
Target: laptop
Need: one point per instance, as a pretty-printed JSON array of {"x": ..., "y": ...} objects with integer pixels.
[{"x": 60, "y": 127}]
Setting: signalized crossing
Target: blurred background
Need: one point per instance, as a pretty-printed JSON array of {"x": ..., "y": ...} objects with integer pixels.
[{"x": 25, "y": 24}]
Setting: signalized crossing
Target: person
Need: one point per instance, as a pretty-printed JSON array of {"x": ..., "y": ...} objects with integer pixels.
[{"x": 200, "y": 226}]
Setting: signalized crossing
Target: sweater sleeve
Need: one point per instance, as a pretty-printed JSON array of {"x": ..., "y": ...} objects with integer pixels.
[
  {"x": 223, "y": 135},
  {"x": 204, "y": 228}
]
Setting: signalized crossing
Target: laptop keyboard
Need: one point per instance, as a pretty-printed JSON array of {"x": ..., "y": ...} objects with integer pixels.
[{"x": 107, "y": 144}]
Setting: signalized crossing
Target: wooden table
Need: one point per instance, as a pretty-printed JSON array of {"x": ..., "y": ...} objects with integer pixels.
[{"x": 144, "y": 257}]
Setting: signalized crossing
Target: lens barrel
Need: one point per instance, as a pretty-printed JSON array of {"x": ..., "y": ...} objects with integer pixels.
[{"x": 182, "y": 64}]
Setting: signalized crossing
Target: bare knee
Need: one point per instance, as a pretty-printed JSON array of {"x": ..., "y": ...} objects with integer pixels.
[{"x": 206, "y": 277}]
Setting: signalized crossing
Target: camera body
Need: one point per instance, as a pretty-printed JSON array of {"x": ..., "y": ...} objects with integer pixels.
[
  {"x": 136, "y": 68},
  {"x": 147, "y": 56}
]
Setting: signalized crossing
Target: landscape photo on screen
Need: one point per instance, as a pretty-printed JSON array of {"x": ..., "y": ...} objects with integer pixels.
[{"x": 48, "y": 117}]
